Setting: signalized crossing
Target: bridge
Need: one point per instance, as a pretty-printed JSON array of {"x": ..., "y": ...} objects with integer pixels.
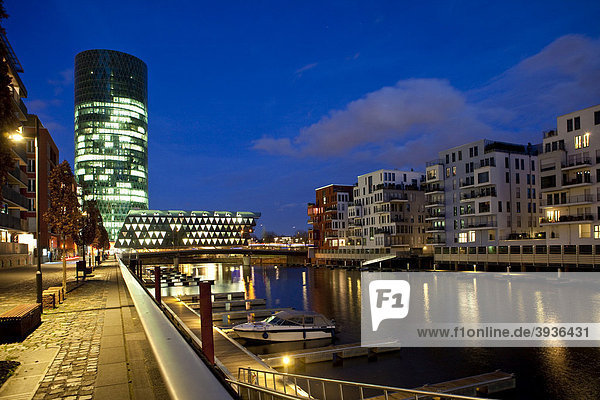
[{"x": 287, "y": 255}]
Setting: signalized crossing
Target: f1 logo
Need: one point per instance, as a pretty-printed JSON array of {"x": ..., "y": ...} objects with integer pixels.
[{"x": 389, "y": 300}]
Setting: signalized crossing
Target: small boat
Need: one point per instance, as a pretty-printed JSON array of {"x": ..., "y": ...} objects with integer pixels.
[{"x": 288, "y": 326}]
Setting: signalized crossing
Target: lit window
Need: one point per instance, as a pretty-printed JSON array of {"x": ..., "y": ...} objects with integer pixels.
[
  {"x": 586, "y": 140},
  {"x": 596, "y": 231},
  {"x": 471, "y": 236},
  {"x": 578, "y": 142},
  {"x": 462, "y": 237}
]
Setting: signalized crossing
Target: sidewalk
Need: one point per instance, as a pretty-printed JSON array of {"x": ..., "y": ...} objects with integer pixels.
[{"x": 91, "y": 346}]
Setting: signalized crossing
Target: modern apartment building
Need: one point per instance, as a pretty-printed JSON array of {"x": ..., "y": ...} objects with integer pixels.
[
  {"x": 111, "y": 133},
  {"x": 388, "y": 212},
  {"x": 48, "y": 159},
  {"x": 328, "y": 216},
  {"x": 483, "y": 192},
  {"x": 570, "y": 179}
]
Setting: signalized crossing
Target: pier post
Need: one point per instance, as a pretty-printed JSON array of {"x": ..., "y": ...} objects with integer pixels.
[
  {"x": 206, "y": 324},
  {"x": 157, "y": 285}
]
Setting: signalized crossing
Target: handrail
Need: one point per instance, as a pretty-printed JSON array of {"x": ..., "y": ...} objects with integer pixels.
[
  {"x": 186, "y": 375},
  {"x": 261, "y": 389},
  {"x": 361, "y": 386}
]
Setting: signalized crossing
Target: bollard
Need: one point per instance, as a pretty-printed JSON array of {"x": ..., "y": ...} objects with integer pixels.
[
  {"x": 157, "y": 285},
  {"x": 206, "y": 327}
]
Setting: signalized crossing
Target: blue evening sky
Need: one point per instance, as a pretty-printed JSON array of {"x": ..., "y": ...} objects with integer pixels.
[{"x": 254, "y": 104}]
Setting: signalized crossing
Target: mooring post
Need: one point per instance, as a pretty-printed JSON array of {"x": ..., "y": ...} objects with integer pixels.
[
  {"x": 206, "y": 330},
  {"x": 157, "y": 284}
]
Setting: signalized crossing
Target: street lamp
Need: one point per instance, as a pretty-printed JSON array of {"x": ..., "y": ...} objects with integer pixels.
[{"x": 38, "y": 275}]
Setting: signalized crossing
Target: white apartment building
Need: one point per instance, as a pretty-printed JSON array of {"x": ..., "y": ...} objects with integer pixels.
[
  {"x": 481, "y": 193},
  {"x": 388, "y": 211},
  {"x": 570, "y": 179}
]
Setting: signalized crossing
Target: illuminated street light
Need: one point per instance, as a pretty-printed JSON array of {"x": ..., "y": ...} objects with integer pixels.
[{"x": 17, "y": 137}]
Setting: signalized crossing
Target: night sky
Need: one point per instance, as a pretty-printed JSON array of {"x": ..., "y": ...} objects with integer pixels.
[{"x": 254, "y": 104}]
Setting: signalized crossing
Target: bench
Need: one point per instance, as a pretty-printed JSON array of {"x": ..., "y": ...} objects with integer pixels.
[
  {"x": 60, "y": 291},
  {"x": 20, "y": 321},
  {"x": 49, "y": 299},
  {"x": 81, "y": 267}
]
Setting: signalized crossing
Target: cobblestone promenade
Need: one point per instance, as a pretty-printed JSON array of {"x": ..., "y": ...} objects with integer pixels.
[{"x": 91, "y": 346}]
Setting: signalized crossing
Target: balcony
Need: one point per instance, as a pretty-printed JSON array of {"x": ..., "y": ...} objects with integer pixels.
[
  {"x": 577, "y": 163},
  {"x": 481, "y": 224},
  {"x": 568, "y": 200},
  {"x": 434, "y": 162},
  {"x": 568, "y": 219},
  {"x": 14, "y": 199},
  {"x": 18, "y": 177},
  {"x": 435, "y": 203},
  {"x": 435, "y": 240},
  {"x": 10, "y": 222},
  {"x": 435, "y": 229},
  {"x": 20, "y": 154},
  {"x": 578, "y": 181},
  {"x": 488, "y": 192}
]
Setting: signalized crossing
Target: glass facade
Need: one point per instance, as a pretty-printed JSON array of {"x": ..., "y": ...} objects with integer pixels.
[
  {"x": 154, "y": 229},
  {"x": 111, "y": 133}
]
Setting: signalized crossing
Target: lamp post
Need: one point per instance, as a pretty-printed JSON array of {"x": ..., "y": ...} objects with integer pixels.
[{"x": 38, "y": 274}]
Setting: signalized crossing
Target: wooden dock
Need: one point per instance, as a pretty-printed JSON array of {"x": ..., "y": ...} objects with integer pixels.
[
  {"x": 335, "y": 353},
  {"x": 478, "y": 385},
  {"x": 257, "y": 314},
  {"x": 229, "y": 353}
]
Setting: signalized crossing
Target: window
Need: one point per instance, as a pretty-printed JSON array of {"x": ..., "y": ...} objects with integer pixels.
[
  {"x": 569, "y": 125},
  {"x": 471, "y": 236},
  {"x": 506, "y": 163},
  {"x": 528, "y": 179},
  {"x": 470, "y": 152},
  {"x": 529, "y": 208},
  {"x": 31, "y": 185},
  {"x": 577, "y": 123},
  {"x": 459, "y": 155},
  {"x": 31, "y": 204},
  {"x": 447, "y": 158},
  {"x": 596, "y": 119},
  {"x": 585, "y": 140},
  {"x": 522, "y": 163},
  {"x": 507, "y": 177},
  {"x": 30, "y": 165},
  {"x": 585, "y": 230},
  {"x": 30, "y": 146},
  {"x": 534, "y": 208},
  {"x": 499, "y": 206},
  {"x": 466, "y": 168},
  {"x": 448, "y": 172},
  {"x": 453, "y": 157},
  {"x": 597, "y": 227},
  {"x": 533, "y": 165},
  {"x": 462, "y": 237},
  {"x": 533, "y": 180},
  {"x": 518, "y": 206},
  {"x": 516, "y": 163},
  {"x": 476, "y": 151},
  {"x": 453, "y": 170},
  {"x": 483, "y": 177},
  {"x": 517, "y": 178}
]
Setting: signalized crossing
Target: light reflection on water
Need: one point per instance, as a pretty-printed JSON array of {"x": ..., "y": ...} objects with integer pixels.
[{"x": 555, "y": 373}]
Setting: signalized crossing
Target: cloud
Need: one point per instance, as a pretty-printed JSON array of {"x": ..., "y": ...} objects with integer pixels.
[
  {"x": 411, "y": 121},
  {"x": 307, "y": 67},
  {"x": 65, "y": 79}
]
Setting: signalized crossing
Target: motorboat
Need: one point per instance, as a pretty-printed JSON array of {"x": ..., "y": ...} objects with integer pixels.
[{"x": 288, "y": 326}]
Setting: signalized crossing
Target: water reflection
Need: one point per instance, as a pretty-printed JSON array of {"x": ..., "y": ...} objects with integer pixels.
[{"x": 557, "y": 373}]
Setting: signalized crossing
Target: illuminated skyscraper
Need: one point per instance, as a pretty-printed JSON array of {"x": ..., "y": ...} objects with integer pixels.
[{"x": 111, "y": 133}]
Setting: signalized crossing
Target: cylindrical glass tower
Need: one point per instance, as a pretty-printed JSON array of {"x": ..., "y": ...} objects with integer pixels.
[{"x": 111, "y": 133}]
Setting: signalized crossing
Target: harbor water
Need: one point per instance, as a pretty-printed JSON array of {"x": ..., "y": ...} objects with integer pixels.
[{"x": 541, "y": 373}]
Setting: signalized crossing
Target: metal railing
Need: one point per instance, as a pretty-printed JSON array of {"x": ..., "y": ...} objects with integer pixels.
[
  {"x": 184, "y": 373},
  {"x": 14, "y": 197},
  {"x": 252, "y": 392},
  {"x": 324, "y": 388},
  {"x": 582, "y": 198}
]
